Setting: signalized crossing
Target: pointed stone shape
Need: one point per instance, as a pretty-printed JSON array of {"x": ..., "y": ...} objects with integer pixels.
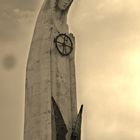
[
  {"x": 76, "y": 133},
  {"x": 48, "y": 74},
  {"x": 60, "y": 126}
]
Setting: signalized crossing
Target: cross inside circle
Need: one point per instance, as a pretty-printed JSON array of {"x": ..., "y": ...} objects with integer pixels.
[{"x": 63, "y": 44}]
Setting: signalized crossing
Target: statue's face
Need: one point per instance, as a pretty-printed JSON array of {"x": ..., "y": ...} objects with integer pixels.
[{"x": 63, "y": 4}]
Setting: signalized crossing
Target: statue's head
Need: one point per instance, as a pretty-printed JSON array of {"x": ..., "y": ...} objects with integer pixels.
[{"x": 64, "y": 4}]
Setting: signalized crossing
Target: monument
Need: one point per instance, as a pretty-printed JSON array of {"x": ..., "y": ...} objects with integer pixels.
[{"x": 50, "y": 91}]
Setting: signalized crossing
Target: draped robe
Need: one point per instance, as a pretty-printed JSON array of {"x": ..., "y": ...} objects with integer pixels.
[{"x": 48, "y": 74}]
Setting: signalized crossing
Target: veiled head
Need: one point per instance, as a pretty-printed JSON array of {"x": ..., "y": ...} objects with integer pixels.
[{"x": 64, "y": 4}]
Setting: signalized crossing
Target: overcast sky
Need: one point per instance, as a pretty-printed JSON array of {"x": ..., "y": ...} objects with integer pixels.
[{"x": 107, "y": 65}]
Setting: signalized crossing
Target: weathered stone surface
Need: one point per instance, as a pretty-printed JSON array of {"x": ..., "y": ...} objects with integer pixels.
[{"x": 49, "y": 74}]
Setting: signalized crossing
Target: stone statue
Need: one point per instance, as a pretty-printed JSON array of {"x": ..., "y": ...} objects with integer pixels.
[{"x": 48, "y": 74}]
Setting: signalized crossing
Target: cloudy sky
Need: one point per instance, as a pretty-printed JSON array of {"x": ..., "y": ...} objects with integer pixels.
[{"x": 107, "y": 65}]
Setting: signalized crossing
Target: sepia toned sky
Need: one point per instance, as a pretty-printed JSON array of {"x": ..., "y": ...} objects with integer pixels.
[{"x": 107, "y": 65}]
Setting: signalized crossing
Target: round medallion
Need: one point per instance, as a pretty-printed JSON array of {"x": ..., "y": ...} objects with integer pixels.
[{"x": 63, "y": 44}]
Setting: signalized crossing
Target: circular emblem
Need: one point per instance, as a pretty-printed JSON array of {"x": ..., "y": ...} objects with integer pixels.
[{"x": 63, "y": 44}]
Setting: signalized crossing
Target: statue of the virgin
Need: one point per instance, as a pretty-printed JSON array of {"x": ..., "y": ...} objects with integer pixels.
[{"x": 49, "y": 73}]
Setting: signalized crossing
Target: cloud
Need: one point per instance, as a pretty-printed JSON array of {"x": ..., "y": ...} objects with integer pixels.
[
  {"x": 24, "y": 5},
  {"x": 13, "y": 14},
  {"x": 11, "y": 23},
  {"x": 8, "y": 26},
  {"x": 24, "y": 16},
  {"x": 105, "y": 10},
  {"x": 107, "y": 34}
]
